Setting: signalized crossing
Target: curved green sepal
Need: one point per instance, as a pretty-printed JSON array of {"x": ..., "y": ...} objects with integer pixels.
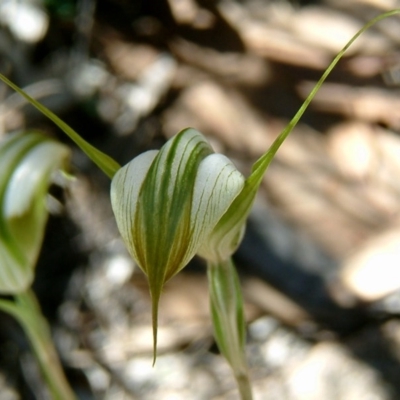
[{"x": 261, "y": 165}]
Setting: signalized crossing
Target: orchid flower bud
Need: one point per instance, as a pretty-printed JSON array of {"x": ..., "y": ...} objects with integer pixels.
[
  {"x": 167, "y": 204},
  {"x": 27, "y": 162}
]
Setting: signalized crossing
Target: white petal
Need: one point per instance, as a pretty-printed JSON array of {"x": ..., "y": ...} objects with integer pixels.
[
  {"x": 125, "y": 189},
  {"x": 217, "y": 184}
]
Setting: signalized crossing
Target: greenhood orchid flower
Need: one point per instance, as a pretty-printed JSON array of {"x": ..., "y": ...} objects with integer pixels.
[
  {"x": 168, "y": 203},
  {"x": 27, "y": 162}
]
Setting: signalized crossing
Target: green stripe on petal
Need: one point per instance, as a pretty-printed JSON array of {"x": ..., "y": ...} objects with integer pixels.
[
  {"x": 163, "y": 216},
  {"x": 125, "y": 189}
]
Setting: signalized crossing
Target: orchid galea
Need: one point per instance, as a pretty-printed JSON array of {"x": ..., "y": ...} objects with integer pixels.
[{"x": 169, "y": 205}]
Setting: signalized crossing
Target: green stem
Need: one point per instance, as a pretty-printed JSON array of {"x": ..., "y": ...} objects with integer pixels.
[
  {"x": 27, "y": 311},
  {"x": 244, "y": 386},
  {"x": 228, "y": 320}
]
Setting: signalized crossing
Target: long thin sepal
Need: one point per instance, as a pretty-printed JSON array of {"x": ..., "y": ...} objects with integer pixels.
[
  {"x": 263, "y": 162},
  {"x": 108, "y": 165},
  {"x": 227, "y": 234}
]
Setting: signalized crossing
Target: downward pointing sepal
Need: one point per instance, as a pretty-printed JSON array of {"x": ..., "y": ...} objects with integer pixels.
[{"x": 167, "y": 203}]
